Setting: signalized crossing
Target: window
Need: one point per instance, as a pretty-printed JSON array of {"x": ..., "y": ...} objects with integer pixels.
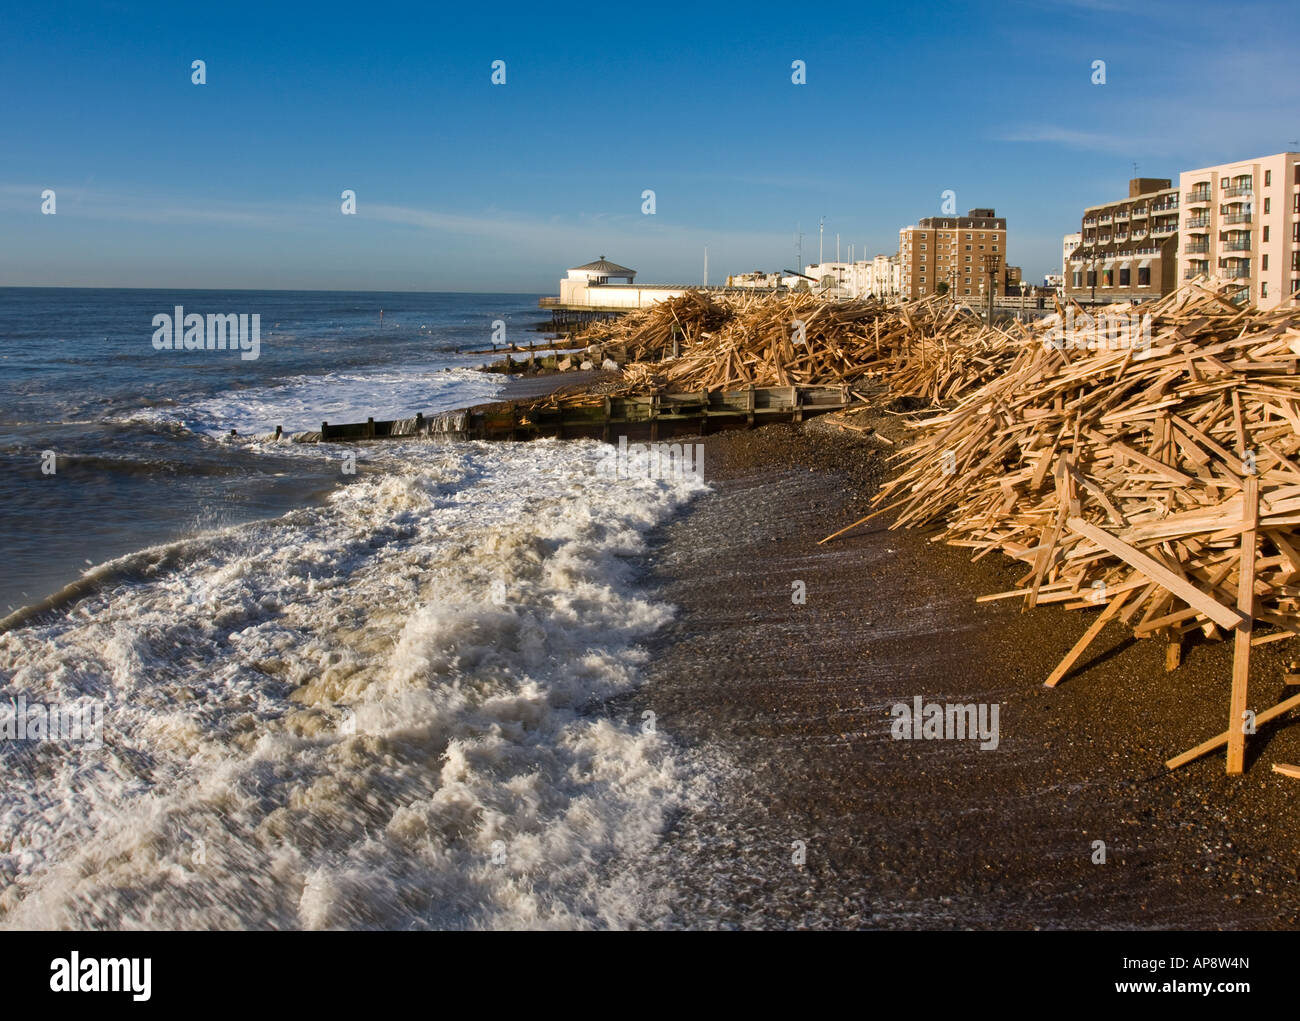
[
  {"x": 1265, "y": 232},
  {"x": 968, "y": 258},
  {"x": 923, "y": 246},
  {"x": 1124, "y": 277},
  {"x": 1144, "y": 276},
  {"x": 1268, "y": 205},
  {"x": 1107, "y": 278},
  {"x": 968, "y": 248},
  {"x": 1263, "y": 262},
  {"x": 1078, "y": 278},
  {"x": 995, "y": 248},
  {"x": 1268, "y": 178},
  {"x": 968, "y": 237},
  {"x": 981, "y": 237},
  {"x": 1295, "y": 262},
  {"x": 1092, "y": 278},
  {"x": 1295, "y": 203},
  {"x": 981, "y": 246},
  {"x": 968, "y": 290}
]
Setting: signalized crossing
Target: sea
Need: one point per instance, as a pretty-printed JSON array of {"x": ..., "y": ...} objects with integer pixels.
[{"x": 318, "y": 686}]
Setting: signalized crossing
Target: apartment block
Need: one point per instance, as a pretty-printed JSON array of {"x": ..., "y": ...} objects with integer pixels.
[
  {"x": 1127, "y": 249},
  {"x": 1241, "y": 223},
  {"x": 968, "y": 253}
]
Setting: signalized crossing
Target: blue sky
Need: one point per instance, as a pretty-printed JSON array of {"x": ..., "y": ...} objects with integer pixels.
[{"x": 463, "y": 185}]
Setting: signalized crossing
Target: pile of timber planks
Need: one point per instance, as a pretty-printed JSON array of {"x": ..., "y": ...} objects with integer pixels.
[
  {"x": 930, "y": 349},
  {"x": 1158, "y": 481}
]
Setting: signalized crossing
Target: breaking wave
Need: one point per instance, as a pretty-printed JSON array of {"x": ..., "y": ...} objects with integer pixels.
[{"x": 388, "y": 711}]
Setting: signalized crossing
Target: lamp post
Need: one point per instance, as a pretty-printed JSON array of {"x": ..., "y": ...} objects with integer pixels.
[{"x": 993, "y": 265}]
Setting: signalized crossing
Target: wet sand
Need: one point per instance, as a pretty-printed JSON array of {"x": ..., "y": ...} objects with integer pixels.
[{"x": 793, "y": 703}]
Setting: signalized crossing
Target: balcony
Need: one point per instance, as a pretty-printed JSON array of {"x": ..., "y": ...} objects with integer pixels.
[
  {"x": 1121, "y": 215},
  {"x": 1197, "y": 222},
  {"x": 1192, "y": 273},
  {"x": 1198, "y": 196},
  {"x": 1139, "y": 211},
  {"x": 1164, "y": 207},
  {"x": 1237, "y": 218},
  {"x": 1197, "y": 246},
  {"x": 1245, "y": 188},
  {"x": 1104, "y": 219},
  {"x": 1235, "y": 272},
  {"x": 1236, "y": 246}
]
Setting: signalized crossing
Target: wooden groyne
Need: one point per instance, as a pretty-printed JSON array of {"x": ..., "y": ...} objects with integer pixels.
[{"x": 653, "y": 416}]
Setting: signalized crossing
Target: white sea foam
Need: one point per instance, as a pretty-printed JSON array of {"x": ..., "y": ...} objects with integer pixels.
[
  {"x": 387, "y": 711},
  {"x": 302, "y": 403}
]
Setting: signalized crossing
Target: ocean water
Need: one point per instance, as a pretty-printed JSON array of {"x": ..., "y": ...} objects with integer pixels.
[
  {"x": 367, "y": 702},
  {"x": 140, "y": 437}
]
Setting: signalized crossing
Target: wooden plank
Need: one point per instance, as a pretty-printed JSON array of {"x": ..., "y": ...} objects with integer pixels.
[
  {"x": 1205, "y": 747},
  {"x": 1286, "y": 770},
  {"x": 1241, "y": 640},
  {"x": 1063, "y": 667},
  {"x": 1157, "y": 572}
]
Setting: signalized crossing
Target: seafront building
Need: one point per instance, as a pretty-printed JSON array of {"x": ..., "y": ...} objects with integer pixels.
[
  {"x": 758, "y": 280},
  {"x": 1127, "y": 249},
  {"x": 1068, "y": 245},
  {"x": 1241, "y": 223},
  {"x": 597, "y": 290},
  {"x": 879, "y": 277},
  {"x": 607, "y": 285},
  {"x": 968, "y": 253}
]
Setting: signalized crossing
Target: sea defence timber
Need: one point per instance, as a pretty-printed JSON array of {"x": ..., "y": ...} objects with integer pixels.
[{"x": 652, "y": 416}]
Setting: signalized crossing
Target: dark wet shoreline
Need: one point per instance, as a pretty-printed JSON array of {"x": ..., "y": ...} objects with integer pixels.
[{"x": 795, "y": 701}]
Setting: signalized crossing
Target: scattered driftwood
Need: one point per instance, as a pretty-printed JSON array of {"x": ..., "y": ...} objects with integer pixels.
[
  {"x": 1157, "y": 480},
  {"x": 931, "y": 349}
]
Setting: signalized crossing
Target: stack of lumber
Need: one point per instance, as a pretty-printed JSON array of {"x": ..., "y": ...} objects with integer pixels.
[
  {"x": 1159, "y": 482},
  {"x": 930, "y": 349}
]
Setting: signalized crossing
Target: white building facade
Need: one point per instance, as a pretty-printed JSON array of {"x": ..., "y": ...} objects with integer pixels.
[{"x": 1240, "y": 223}]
